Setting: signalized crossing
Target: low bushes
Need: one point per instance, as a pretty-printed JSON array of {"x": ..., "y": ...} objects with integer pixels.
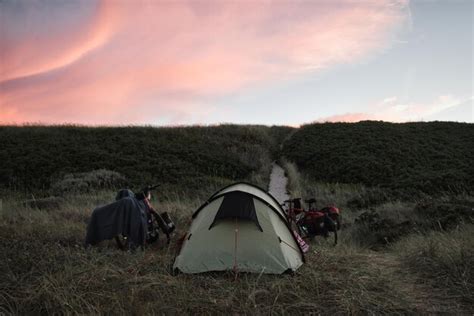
[
  {"x": 86, "y": 182},
  {"x": 185, "y": 158},
  {"x": 445, "y": 215},
  {"x": 407, "y": 161}
]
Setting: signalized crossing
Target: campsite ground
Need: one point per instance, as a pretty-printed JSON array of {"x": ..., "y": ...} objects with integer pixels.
[
  {"x": 46, "y": 270},
  {"x": 397, "y": 254}
]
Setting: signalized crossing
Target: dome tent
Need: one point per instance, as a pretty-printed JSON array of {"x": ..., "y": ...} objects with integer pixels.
[{"x": 240, "y": 227}]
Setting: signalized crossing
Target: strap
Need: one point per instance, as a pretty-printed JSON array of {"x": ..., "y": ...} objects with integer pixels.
[
  {"x": 282, "y": 241},
  {"x": 235, "y": 248}
]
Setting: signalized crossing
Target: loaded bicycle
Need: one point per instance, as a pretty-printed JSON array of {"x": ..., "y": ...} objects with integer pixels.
[{"x": 312, "y": 222}]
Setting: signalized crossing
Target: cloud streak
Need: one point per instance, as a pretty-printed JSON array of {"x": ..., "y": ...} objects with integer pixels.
[
  {"x": 145, "y": 62},
  {"x": 394, "y": 110},
  {"x": 38, "y": 52}
]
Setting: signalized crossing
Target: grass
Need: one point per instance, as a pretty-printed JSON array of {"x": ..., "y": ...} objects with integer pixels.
[
  {"x": 395, "y": 255},
  {"x": 422, "y": 248},
  {"x": 444, "y": 258},
  {"x": 46, "y": 270}
]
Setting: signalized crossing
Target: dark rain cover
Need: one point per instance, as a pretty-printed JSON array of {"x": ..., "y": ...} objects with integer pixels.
[{"x": 126, "y": 217}]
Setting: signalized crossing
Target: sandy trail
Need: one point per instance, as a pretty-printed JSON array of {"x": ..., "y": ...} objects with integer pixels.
[{"x": 278, "y": 182}]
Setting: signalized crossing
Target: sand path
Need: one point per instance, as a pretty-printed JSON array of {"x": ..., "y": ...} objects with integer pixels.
[{"x": 278, "y": 182}]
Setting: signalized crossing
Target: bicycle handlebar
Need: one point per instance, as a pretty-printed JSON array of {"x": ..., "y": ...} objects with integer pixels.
[{"x": 150, "y": 188}]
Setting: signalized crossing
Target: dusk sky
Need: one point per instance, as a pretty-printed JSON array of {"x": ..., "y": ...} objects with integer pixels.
[{"x": 284, "y": 62}]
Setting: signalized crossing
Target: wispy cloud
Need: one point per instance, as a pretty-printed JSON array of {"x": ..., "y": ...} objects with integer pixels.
[
  {"x": 32, "y": 51},
  {"x": 145, "y": 62},
  {"x": 393, "y": 110}
]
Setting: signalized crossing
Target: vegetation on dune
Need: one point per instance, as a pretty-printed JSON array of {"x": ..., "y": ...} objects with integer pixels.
[
  {"x": 87, "y": 182},
  {"x": 376, "y": 221},
  {"x": 37, "y": 157},
  {"x": 408, "y": 159},
  {"x": 422, "y": 247},
  {"x": 404, "y": 248}
]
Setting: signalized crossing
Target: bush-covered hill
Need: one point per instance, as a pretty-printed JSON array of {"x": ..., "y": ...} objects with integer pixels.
[
  {"x": 409, "y": 158},
  {"x": 35, "y": 157}
]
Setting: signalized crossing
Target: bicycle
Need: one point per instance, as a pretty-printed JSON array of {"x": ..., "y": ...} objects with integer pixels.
[{"x": 313, "y": 222}]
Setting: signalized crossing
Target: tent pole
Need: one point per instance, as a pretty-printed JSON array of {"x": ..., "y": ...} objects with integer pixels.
[{"x": 235, "y": 248}]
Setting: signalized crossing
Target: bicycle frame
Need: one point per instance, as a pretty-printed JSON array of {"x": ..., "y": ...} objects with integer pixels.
[{"x": 312, "y": 222}]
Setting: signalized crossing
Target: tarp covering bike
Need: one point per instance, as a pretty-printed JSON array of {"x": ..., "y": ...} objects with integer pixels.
[{"x": 126, "y": 217}]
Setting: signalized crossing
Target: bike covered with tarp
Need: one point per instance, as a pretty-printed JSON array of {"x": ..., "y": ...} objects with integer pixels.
[{"x": 130, "y": 220}]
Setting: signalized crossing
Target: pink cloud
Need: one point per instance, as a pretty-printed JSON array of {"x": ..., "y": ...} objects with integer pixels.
[
  {"x": 347, "y": 117},
  {"x": 145, "y": 62},
  {"x": 393, "y": 110},
  {"x": 38, "y": 52}
]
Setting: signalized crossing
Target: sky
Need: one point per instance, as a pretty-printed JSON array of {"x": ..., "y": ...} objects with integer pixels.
[{"x": 282, "y": 62}]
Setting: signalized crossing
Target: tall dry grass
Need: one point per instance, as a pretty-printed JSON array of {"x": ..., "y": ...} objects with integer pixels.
[
  {"x": 46, "y": 270},
  {"x": 446, "y": 259},
  {"x": 424, "y": 248}
]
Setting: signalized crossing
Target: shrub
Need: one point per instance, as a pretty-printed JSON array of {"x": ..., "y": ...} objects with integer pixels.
[
  {"x": 86, "y": 182},
  {"x": 410, "y": 160},
  {"x": 375, "y": 230},
  {"x": 51, "y": 202},
  {"x": 369, "y": 198},
  {"x": 444, "y": 215},
  {"x": 179, "y": 156}
]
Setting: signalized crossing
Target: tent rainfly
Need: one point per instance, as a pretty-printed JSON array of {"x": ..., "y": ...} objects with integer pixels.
[{"x": 242, "y": 228}]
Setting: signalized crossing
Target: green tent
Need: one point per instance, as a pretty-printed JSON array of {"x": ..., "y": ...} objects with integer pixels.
[{"x": 242, "y": 228}]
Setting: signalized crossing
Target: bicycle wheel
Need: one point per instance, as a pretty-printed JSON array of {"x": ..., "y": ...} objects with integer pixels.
[
  {"x": 153, "y": 232},
  {"x": 122, "y": 242}
]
